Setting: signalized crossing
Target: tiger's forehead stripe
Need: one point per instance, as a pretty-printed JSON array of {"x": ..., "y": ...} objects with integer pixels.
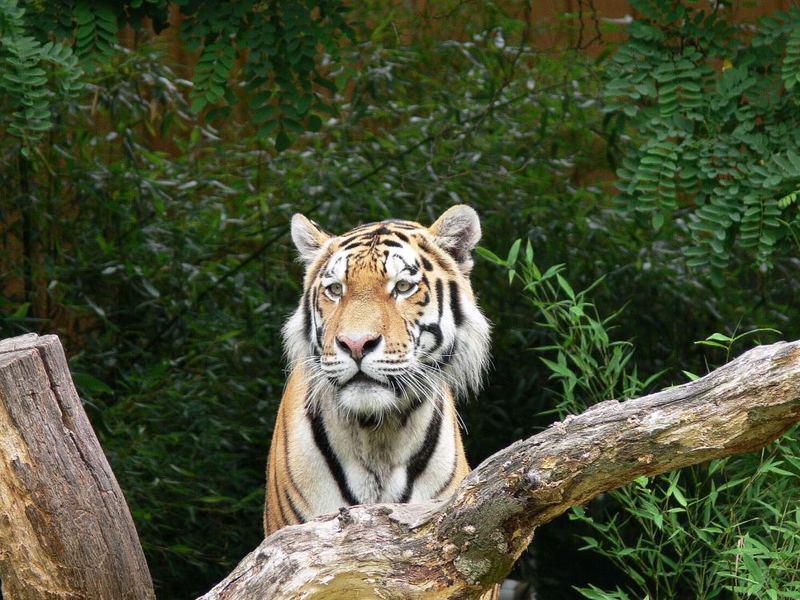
[
  {"x": 391, "y": 234},
  {"x": 401, "y": 262},
  {"x": 336, "y": 269}
]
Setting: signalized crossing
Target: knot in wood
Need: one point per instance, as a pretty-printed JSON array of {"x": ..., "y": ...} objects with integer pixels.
[
  {"x": 534, "y": 478},
  {"x": 345, "y": 518}
]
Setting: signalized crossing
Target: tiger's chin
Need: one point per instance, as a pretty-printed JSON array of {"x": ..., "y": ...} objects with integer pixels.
[{"x": 368, "y": 399}]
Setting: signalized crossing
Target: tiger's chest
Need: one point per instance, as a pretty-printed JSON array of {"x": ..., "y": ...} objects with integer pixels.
[{"x": 345, "y": 463}]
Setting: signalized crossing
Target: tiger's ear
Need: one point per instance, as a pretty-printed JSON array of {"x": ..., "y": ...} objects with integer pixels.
[
  {"x": 457, "y": 232},
  {"x": 308, "y": 238}
]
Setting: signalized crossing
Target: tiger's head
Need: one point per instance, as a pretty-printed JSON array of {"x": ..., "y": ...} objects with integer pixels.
[{"x": 388, "y": 317}]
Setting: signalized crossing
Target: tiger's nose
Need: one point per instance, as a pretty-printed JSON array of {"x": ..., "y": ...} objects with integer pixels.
[{"x": 358, "y": 346}]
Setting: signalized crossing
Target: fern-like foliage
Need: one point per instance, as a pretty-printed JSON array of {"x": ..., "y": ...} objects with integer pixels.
[
  {"x": 287, "y": 89},
  {"x": 33, "y": 74},
  {"x": 715, "y": 123},
  {"x": 95, "y": 31},
  {"x": 790, "y": 73},
  {"x": 270, "y": 54}
]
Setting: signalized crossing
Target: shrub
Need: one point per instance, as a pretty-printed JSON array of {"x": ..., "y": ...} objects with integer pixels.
[
  {"x": 714, "y": 107},
  {"x": 725, "y": 529}
]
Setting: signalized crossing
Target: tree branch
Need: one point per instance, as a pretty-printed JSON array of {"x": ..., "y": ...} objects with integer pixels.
[{"x": 461, "y": 547}]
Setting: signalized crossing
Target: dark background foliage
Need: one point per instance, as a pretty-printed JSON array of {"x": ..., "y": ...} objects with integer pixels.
[{"x": 151, "y": 155}]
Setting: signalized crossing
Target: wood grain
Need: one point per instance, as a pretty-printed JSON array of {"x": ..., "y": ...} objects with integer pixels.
[{"x": 65, "y": 529}]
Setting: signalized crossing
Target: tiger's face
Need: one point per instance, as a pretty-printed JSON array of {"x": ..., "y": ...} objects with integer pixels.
[{"x": 388, "y": 317}]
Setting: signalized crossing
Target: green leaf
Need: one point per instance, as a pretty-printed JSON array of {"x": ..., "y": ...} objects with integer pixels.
[
  {"x": 489, "y": 255},
  {"x": 565, "y": 286},
  {"x": 90, "y": 383},
  {"x": 281, "y": 141},
  {"x": 513, "y": 252},
  {"x": 314, "y": 123},
  {"x": 691, "y": 376}
]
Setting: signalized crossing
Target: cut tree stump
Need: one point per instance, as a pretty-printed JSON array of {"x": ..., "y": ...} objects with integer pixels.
[{"x": 65, "y": 530}]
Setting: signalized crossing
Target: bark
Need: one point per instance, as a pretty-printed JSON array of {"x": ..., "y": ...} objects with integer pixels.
[
  {"x": 65, "y": 529},
  {"x": 460, "y": 547}
]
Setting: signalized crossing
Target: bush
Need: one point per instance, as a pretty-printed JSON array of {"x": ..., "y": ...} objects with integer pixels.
[
  {"x": 714, "y": 106},
  {"x": 725, "y": 529}
]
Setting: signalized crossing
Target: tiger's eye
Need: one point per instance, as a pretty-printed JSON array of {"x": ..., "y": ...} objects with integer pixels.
[
  {"x": 403, "y": 286},
  {"x": 335, "y": 289}
]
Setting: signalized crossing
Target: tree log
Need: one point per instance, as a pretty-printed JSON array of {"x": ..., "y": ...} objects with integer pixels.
[
  {"x": 65, "y": 529},
  {"x": 460, "y": 547}
]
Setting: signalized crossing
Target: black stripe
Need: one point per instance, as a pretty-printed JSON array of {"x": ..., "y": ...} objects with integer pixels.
[
  {"x": 435, "y": 256},
  {"x": 417, "y": 402},
  {"x": 435, "y": 331},
  {"x": 315, "y": 224},
  {"x": 426, "y": 263},
  {"x": 455, "y": 303},
  {"x": 307, "y": 315},
  {"x": 446, "y": 359},
  {"x": 368, "y": 421},
  {"x": 334, "y": 466},
  {"x": 402, "y": 236},
  {"x": 391, "y": 243},
  {"x": 318, "y": 330},
  {"x": 440, "y": 297},
  {"x": 412, "y": 269},
  {"x": 312, "y": 275},
  {"x": 298, "y": 517},
  {"x": 353, "y": 245},
  {"x": 284, "y": 520},
  {"x": 423, "y": 456},
  {"x": 447, "y": 483}
]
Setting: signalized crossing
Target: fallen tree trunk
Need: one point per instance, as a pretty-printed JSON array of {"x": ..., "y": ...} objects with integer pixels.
[
  {"x": 65, "y": 530},
  {"x": 460, "y": 547},
  {"x": 71, "y": 536}
]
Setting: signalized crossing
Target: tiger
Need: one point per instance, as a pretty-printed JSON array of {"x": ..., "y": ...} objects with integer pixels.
[{"x": 386, "y": 337}]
